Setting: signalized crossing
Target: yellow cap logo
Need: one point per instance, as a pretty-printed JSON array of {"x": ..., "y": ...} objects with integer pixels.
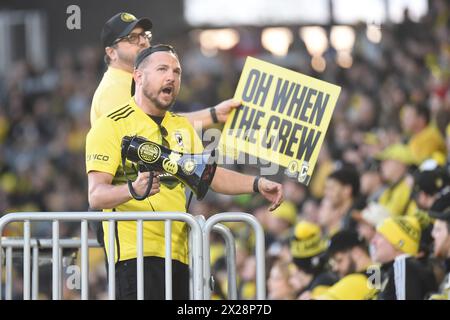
[{"x": 127, "y": 17}]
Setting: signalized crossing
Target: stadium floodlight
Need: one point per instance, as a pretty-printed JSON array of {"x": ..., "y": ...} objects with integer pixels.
[
  {"x": 277, "y": 40},
  {"x": 218, "y": 39},
  {"x": 316, "y": 42},
  {"x": 342, "y": 38},
  {"x": 315, "y": 39}
]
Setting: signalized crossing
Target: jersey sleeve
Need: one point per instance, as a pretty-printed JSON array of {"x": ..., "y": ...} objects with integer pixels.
[{"x": 103, "y": 148}]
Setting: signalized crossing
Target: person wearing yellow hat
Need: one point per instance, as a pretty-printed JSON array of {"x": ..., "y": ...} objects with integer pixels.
[
  {"x": 403, "y": 277},
  {"x": 395, "y": 161},
  {"x": 280, "y": 223},
  {"x": 309, "y": 275},
  {"x": 349, "y": 257}
]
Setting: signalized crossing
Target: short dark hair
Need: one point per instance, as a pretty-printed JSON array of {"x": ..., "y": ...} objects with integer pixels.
[
  {"x": 348, "y": 177},
  {"x": 345, "y": 240},
  {"x": 150, "y": 50},
  {"x": 421, "y": 110},
  {"x": 106, "y": 58}
]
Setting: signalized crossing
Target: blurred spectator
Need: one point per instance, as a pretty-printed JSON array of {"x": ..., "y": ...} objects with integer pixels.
[
  {"x": 278, "y": 286},
  {"x": 396, "y": 243},
  {"x": 424, "y": 139},
  {"x": 441, "y": 236},
  {"x": 369, "y": 218},
  {"x": 308, "y": 274},
  {"x": 395, "y": 160},
  {"x": 349, "y": 258},
  {"x": 341, "y": 191},
  {"x": 279, "y": 227}
]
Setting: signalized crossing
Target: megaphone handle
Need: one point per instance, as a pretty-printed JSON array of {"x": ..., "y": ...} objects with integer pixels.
[{"x": 147, "y": 191}]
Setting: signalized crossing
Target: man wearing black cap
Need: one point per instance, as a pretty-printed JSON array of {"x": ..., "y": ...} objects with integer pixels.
[
  {"x": 157, "y": 76},
  {"x": 123, "y": 37}
]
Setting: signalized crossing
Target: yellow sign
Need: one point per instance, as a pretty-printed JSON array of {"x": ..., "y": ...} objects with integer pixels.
[{"x": 283, "y": 118}]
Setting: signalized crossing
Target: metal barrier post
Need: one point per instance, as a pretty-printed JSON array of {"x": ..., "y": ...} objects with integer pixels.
[
  {"x": 231, "y": 259},
  {"x": 56, "y": 277},
  {"x": 26, "y": 261},
  {"x": 111, "y": 261},
  {"x": 1, "y": 267},
  {"x": 60, "y": 271},
  {"x": 140, "y": 261},
  {"x": 35, "y": 273},
  {"x": 84, "y": 261},
  {"x": 168, "y": 258},
  {"x": 191, "y": 280},
  {"x": 259, "y": 248},
  {"x": 9, "y": 274}
]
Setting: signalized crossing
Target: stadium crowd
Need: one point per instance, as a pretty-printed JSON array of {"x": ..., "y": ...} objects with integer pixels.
[{"x": 377, "y": 210}]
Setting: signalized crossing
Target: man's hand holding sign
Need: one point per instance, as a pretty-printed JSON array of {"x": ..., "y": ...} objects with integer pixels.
[{"x": 283, "y": 118}]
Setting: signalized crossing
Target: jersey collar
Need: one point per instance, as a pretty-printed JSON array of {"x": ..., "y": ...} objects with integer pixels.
[{"x": 143, "y": 114}]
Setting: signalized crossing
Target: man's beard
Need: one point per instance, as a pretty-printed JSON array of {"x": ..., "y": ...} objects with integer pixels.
[
  {"x": 157, "y": 102},
  {"x": 352, "y": 267},
  {"x": 128, "y": 58}
]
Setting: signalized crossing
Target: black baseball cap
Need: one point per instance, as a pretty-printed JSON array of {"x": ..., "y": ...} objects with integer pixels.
[
  {"x": 441, "y": 208},
  {"x": 120, "y": 26},
  {"x": 431, "y": 181}
]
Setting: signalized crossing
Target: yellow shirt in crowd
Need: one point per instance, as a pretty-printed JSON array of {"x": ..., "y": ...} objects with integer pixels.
[
  {"x": 425, "y": 143},
  {"x": 397, "y": 199}
]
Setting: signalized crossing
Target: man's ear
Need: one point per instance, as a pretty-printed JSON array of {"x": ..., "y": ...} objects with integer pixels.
[
  {"x": 111, "y": 53},
  {"x": 137, "y": 76}
]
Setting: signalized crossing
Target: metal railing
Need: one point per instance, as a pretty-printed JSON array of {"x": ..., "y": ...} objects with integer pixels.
[
  {"x": 112, "y": 217},
  {"x": 199, "y": 257},
  {"x": 259, "y": 250},
  {"x": 36, "y": 245}
]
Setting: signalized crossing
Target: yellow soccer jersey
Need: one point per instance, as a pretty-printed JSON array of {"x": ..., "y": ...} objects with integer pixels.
[
  {"x": 397, "y": 199},
  {"x": 103, "y": 153},
  {"x": 113, "y": 91}
]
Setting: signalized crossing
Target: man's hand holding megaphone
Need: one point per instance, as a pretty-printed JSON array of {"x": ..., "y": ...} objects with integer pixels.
[{"x": 142, "y": 181}]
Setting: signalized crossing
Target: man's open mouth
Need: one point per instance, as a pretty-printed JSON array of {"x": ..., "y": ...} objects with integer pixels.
[{"x": 167, "y": 90}]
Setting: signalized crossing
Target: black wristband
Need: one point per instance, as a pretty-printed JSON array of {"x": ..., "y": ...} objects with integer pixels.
[
  {"x": 213, "y": 115},
  {"x": 255, "y": 184}
]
